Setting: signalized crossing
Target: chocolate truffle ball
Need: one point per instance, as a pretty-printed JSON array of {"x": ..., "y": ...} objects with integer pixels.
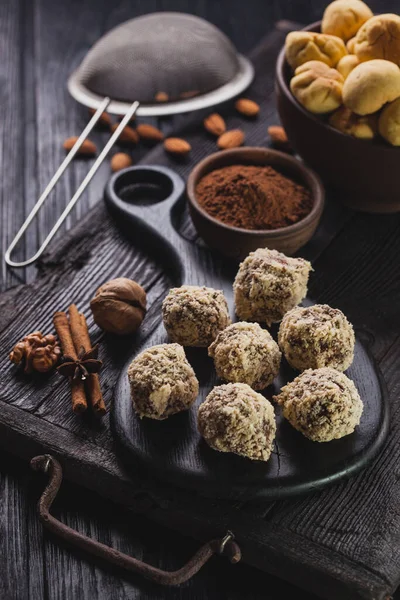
[
  {"x": 323, "y": 404},
  {"x": 235, "y": 418},
  {"x": 246, "y": 353},
  {"x": 317, "y": 336},
  {"x": 193, "y": 316},
  {"x": 162, "y": 382},
  {"x": 268, "y": 284}
]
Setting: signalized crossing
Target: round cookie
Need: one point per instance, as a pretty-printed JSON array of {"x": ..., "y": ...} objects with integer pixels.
[
  {"x": 362, "y": 127},
  {"x": 305, "y": 46},
  {"x": 235, "y": 418},
  {"x": 389, "y": 123},
  {"x": 268, "y": 284},
  {"x": 379, "y": 37},
  {"x": 317, "y": 336},
  {"x": 347, "y": 64},
  {"x": 345, "y": 17},
  {"x": 317, "y": 87},
  {"x": 246, "y": 353},
  {"x": 162, "y": 382},
  {"x": 193, "y": 316},
  {"x": 370, "y": 85},
  {"x": 323, "y": 404}
]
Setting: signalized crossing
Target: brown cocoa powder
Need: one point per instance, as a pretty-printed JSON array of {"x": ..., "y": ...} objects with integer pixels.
[{"x": 253, "y": 197}]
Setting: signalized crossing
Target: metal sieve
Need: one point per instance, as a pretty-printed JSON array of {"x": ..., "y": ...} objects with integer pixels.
[
  {"x": 174, "y": 53},
  {"x": 188, "y": 59}
]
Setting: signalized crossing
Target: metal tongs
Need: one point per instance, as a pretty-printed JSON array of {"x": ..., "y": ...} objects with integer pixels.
[{"x": 102, "y": 107}]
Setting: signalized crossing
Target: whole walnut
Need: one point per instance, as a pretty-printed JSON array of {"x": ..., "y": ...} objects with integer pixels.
[
  {"x": 345, "y": 17},
  {"x": 303, "y": 46},
  {"x": 119, "y": 306},
  {"x": 379, "y": 37},
  {"x": 371, "y": 85},
  {"x": 37, "y": 351},
  {"x": 317, "y": 87}
]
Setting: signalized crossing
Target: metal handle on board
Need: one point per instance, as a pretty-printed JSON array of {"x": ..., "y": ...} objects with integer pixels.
[{"x": 48, "y": 464}]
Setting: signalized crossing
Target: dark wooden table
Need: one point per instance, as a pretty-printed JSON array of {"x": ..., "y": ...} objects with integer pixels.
[{"x": 41, "y": 41}]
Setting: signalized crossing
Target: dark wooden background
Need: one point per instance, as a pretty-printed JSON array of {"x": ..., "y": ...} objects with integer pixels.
[{"x": 41, "y": 41}]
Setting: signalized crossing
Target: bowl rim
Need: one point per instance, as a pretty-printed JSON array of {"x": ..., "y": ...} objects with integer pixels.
[
  {"x": 312, "y": 180},
  {"x": 281, "y": 63}
]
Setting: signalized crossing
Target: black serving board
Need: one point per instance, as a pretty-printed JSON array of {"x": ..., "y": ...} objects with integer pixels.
[{"x": 143, "y": 200}]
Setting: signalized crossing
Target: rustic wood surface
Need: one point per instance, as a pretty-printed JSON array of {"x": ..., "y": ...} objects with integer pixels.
[{"x": 357, "y": 270}]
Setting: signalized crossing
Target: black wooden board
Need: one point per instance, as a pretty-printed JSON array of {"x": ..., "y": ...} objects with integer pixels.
[{"x": 341, "y": 542}]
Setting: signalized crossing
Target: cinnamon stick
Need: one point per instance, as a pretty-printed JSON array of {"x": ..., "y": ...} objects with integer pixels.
[
  {"x": 62, "y": 327},
  {"x": 81, "y": 339}
]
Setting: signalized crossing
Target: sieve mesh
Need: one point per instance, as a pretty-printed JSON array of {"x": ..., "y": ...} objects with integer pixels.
[{"x": 167, "y": 52}]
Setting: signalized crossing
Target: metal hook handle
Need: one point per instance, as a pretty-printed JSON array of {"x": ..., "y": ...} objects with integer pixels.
[
  {"x": 48, "y": 464},
  {"x": 132, "y": 110}
]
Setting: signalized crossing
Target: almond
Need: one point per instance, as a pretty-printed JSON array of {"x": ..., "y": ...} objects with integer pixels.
[
  {"x": 128, "y": 135},
  {"x": 215, "y": 124},
  {"x": 231, "y": 139},
  {"x": 279, "y": 138},
  {"x": 88, "y": 147},
  {"x": 247, "y": 107},
  {"x": 104, "y": 120},
  {"x": 149, "y": 133},
  {"x": 188, "y": 94},
  {"x": 177, "y": 146},
  {"x": 120, "y": 161},
  {"x": 161, "y": 97}
]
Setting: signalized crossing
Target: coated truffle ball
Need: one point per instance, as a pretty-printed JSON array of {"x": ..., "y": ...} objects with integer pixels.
[
  {"x": 317, "y": 336},
  {"x": 162, "y": 382},
  {"x": 268, "y": 284},
  {"x": 246, "y": 353},
  {"x": 323, "y": 404},
  {"x": 235, "y": 418},
  {"x": 193, "y": 316}
]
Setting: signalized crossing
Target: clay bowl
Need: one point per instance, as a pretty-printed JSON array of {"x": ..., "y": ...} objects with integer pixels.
[
  {"x": 366, "y": 173},
  {"x": 236, "y": 242}
]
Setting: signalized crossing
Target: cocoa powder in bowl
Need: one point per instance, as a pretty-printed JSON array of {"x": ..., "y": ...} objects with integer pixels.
[{"x": 253, "y": 197}]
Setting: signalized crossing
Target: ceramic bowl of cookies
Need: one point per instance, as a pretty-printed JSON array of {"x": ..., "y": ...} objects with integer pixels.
[
  {"x": 248, "y": 198},
  {"x": 342, "y": 116}
]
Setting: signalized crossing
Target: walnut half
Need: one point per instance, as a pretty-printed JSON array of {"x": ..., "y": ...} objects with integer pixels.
[{"x": 39, "y": 352}]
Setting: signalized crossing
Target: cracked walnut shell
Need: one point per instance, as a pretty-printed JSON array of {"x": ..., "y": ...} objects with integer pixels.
[
  {"x": 303, "y": 46},
  {"x": 317, "y": 87},
  {"x": 119, "y": 306}
]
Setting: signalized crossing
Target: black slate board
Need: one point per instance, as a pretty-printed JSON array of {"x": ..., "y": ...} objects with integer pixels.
[{"x": 144, "y": 200}]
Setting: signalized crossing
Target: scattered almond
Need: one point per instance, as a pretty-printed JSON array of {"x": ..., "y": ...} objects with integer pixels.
[
  {"x": 189, "y": 94},
  {"x": 128, "y": 135},
  {"x": 120, "y": 161},
  {"x": 88, "y": 147},
  {"x": 149, "y": 133},
  {"x": 279, "y": 138},
  {"x": 231, "y": 139},
  {"x": 247, "y": 107},
  {"x": 215, "y": 124},
  {"x": 104, "y": 120},
  {"x": 161, "y": 97},
  {"x": 177, "y": 146}
]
